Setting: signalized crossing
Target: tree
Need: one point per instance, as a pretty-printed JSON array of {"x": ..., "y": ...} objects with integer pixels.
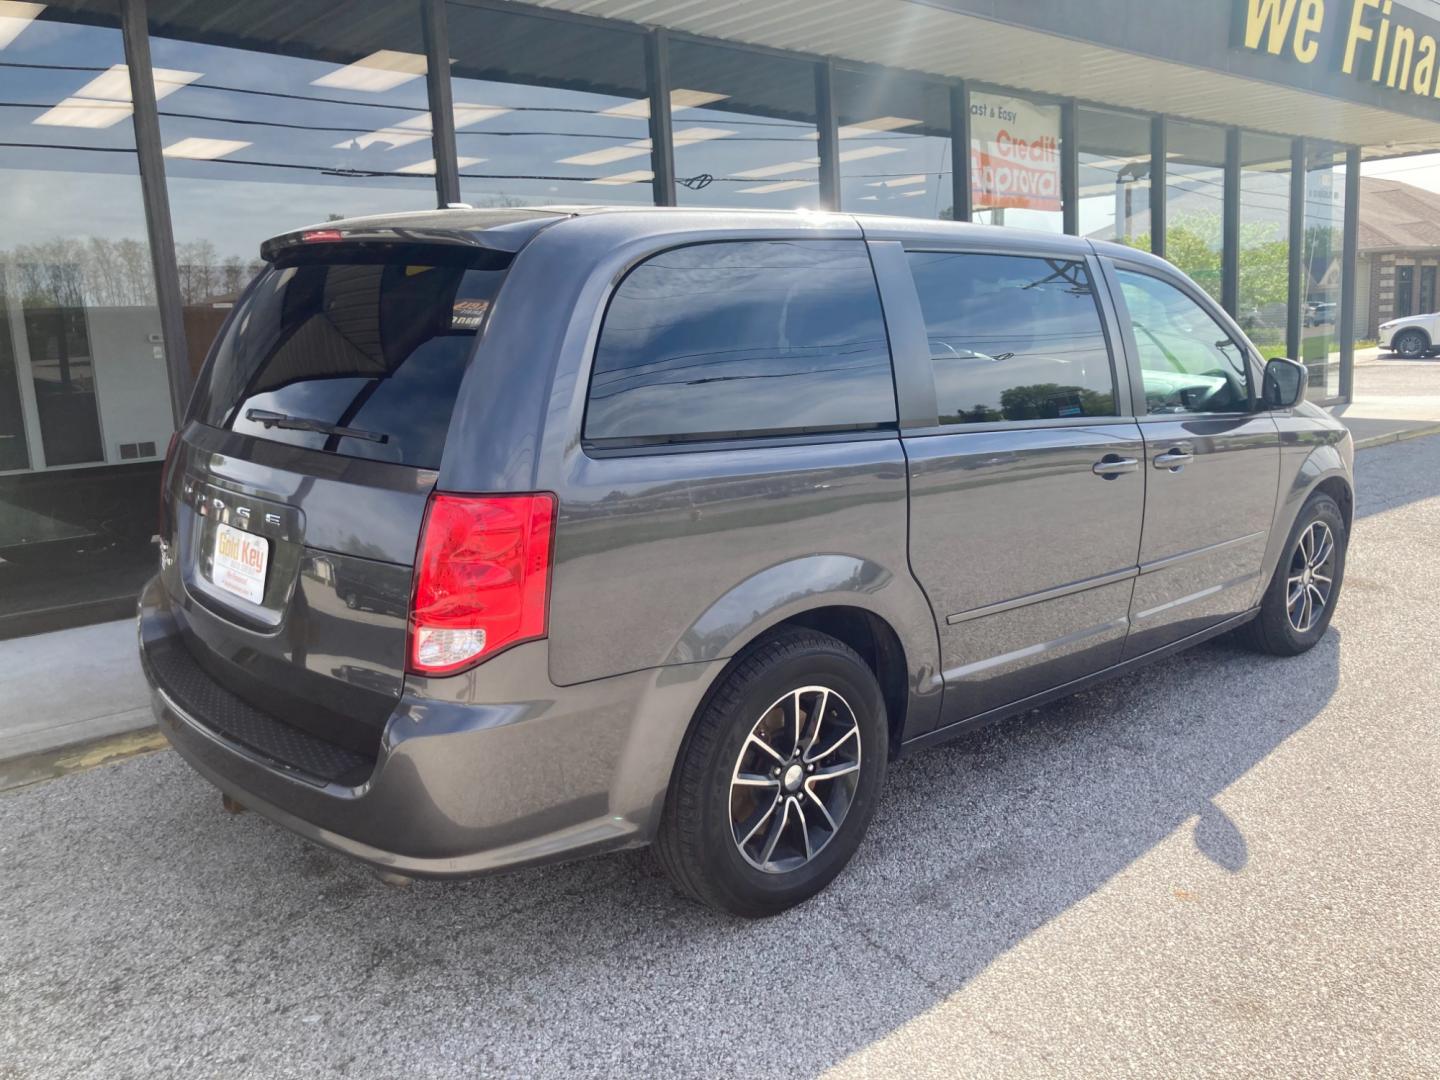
[{"x": 1192, "y": 242}]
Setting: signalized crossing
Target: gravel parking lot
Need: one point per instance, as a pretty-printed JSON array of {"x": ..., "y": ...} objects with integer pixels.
[{"x": 1227, "y": 864}]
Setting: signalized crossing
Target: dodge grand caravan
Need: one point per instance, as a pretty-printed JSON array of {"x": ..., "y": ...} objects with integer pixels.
[{"x": 500, "y": 537}]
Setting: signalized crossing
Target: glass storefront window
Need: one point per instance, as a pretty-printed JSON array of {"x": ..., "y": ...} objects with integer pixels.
[
  {"x": 84, "y": 393},
  {"x": 1015, "y": 161},
  {"x": 1322, "y": 268},
  {"x": 894, "y": 145},
  {"x": 1264, "y": 258},
  {"x": 1114, "y": 154},
  {"x": 1195, "y": 201},
  {"x": 548, "y": 111},
  {"x": 274, "y": 125},
  {"x": 744, "y": 128}
]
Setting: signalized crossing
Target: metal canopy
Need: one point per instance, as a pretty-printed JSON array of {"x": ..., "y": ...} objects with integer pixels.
[{"x": 930, "y": 39}]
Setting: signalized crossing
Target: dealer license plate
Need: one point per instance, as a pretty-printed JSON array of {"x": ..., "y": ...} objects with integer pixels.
[{"x": 239, "y": 563}]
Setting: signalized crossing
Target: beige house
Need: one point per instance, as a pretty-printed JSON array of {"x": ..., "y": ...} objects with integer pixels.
[{"x": 1398, "y": 255}]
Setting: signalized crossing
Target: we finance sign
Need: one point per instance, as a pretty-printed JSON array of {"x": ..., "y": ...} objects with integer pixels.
[
  {"x": 1377, "y": 41},
  {"x": 1014, "y": 152}
]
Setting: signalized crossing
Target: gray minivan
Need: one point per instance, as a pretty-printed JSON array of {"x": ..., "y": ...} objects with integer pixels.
[{"x": 494, "y": 537}]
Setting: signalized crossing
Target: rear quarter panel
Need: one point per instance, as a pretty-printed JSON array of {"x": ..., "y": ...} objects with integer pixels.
[{"x": 680, "y": 558}]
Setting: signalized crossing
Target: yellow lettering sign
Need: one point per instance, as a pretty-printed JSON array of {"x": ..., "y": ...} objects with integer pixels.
[
  {"x": 1425, "y": 66},
  {"x": 1401, "y": 68},
  {"x": 1312, "y": 17},
  {"x": 1268, "y": 20},
  {"x": 1391, "y": 52},
  {"x": 1358, "y": 32}
]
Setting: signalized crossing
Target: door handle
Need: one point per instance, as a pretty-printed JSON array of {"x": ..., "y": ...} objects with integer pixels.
[
  {"x": 1113, "y": 465},
  {"x": 1174, "y": 459}
]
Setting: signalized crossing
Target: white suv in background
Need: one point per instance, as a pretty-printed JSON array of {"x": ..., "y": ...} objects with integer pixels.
[{"x": 1410, "y": 337}]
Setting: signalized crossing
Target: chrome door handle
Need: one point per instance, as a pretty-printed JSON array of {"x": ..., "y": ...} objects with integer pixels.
[
  {"x": 1112, "y": 465},
  {"x": 1173, "y": 459}
]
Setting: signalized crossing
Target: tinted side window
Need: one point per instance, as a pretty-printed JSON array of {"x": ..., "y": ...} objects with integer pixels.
[
  {"x": 743, "y": 338},
  {"x": 1013, "y": 337},
  {"x": 1188, "y": 361}
]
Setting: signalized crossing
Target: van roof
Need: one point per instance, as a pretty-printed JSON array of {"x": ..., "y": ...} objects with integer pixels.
[{"x": 510, "y": 228}]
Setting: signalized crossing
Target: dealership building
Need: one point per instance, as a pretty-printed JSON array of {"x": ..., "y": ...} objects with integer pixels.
[{"x": 147, "y": 147}]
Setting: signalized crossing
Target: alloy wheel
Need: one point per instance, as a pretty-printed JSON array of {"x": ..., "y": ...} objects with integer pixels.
[
  {"x": 794, "y": 779},
  {"x": 1311, "y": 578}
]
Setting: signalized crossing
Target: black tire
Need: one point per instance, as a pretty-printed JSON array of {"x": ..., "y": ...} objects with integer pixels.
[
  {"x": 1411, "y": 344},
  {"x": 1274, "y": 630},
  {"x": 698, "y": 843}
]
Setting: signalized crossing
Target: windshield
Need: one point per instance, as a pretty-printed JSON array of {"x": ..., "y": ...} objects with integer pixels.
[{"x": 355, "y": 352}]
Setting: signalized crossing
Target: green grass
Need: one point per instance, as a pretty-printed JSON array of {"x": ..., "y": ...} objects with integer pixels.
[{"x": 1270, "y": 352}]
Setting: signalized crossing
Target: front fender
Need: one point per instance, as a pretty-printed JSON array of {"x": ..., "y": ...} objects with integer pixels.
[
  {"x": 1310, "y": 454},
  {"x": 793, "y": 587}
]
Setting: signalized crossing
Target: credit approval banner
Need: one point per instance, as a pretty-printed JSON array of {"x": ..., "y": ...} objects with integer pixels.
[{"x": 1014, "y": 152}]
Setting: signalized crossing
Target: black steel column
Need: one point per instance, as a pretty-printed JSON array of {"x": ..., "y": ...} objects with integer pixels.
[
  {"x": 662, "y": 145},
  {"x": 136, "y": 35},
  {"x": 1295, "y": 292},
  {"x": 1230, "y": 228},
  {"x": 962, "y": 207},
  {"x": 1157, "y": 185},
  {"x": 442, "y": 107},
  {"x": 1069, "y": 171},
  {"x": 1347, "y": 273},
  {"x": 829, "y": 129}
]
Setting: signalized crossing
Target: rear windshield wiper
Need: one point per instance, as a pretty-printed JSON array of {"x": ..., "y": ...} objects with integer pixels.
[{"x": 301, "y": 423}]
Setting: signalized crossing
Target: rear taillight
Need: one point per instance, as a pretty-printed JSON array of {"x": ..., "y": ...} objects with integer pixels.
[
  {"x": 482, "y": 577},
  {"x": 164, "y": 522}
]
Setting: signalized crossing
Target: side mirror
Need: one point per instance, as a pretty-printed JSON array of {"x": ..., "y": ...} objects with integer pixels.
[{"x": 1285, "y": 382}]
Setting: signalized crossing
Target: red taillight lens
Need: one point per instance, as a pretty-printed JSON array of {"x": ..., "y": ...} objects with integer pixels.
[
  {"x": 322, "y": 236},
  {"x": 482, "y": 577}
]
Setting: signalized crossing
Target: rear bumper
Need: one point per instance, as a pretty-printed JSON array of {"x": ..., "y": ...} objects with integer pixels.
[{"x": 473, "y": 773}]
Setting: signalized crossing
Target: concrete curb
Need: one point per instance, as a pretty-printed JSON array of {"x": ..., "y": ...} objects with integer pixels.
[
  {"x": 43, "y": 738},
  {"x": 48, "y": 764},
  {"x": 1397, "y": 436}
]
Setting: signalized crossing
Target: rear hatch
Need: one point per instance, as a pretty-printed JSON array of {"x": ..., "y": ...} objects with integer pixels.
[{"x": 296, "y": 497}]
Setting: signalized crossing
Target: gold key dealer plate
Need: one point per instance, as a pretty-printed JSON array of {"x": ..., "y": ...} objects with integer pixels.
[{"x": 239, "y": 563}]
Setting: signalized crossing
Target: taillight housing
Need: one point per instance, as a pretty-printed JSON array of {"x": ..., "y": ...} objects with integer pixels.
[{"x": 482, "y": 578}]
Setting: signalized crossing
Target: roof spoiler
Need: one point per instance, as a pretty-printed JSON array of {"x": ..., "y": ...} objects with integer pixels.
[{"x": 509, "y": 236}]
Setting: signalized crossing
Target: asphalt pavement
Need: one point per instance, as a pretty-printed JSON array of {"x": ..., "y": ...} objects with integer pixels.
[{"x": 1224, "y": 865}]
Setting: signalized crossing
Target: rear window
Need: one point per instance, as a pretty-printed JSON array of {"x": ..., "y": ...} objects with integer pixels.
[
  {"x": 354, "y": 352},
  {"x": 742, "y": 338}
]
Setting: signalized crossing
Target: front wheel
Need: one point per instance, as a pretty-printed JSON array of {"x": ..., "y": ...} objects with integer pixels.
[
  {"x": 779, "y": 778},
  {"x": 1411, "y": 344},
  {"x": 1298, "y": 605}
]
